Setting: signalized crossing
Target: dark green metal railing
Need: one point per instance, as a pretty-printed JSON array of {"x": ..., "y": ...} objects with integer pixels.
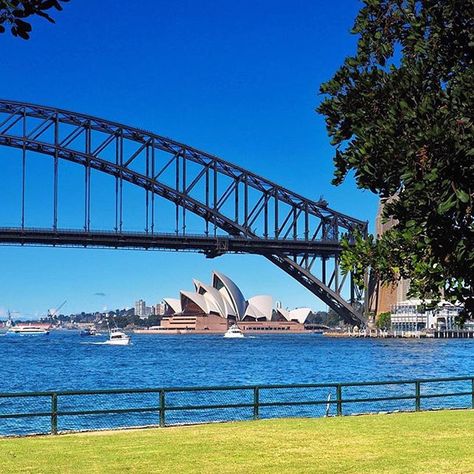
[{"x": 250, "y": 406}]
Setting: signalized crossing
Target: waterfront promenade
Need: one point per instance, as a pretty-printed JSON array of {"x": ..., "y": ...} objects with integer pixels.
[{"x": 428, "y": 442}]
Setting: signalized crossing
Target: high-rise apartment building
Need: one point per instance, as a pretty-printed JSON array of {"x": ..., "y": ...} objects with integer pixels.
[
  {"x": 140, "y": 308},
  {"x": 159, "y": 309}
]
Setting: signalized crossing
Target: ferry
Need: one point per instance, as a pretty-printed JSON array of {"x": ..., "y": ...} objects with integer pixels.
[
  {"x": 28, "y": 330},
  {"x": 234, "y": 332}
]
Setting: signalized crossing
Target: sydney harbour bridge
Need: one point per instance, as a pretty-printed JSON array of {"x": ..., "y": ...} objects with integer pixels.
[{"x": 204, "y": 203}]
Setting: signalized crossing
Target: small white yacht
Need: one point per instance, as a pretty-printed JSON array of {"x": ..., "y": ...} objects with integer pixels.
[
  {"x": 117, "y": 338},
  {"x": 234, "y": 332}
]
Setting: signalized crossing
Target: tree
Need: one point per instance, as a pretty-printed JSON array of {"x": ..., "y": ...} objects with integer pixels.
[
  {"x": 384, "y": 320},
  {"x": 15, "y": 13},
  {"x": 152, "y": 320},
  {"x": 319, "y": 317},
  {"x": 400, "y": 114},
  {"x": 333, "y": 319}
]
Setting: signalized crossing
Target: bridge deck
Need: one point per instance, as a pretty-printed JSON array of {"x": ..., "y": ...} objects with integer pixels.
[{"x": 219, "y": 244}]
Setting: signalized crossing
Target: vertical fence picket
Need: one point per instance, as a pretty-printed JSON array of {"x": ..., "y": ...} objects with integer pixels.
[
  {"x": 54, "y": 414},
  {"x": 339, "y": 399},
  {"x": 472, "y": 392},
  {"x": 162, "y": 408},
  {"x": 256, "y": 403},
  {"x": 417, "y": 395}
]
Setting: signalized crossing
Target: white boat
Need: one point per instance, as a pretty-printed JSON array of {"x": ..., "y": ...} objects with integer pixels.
[
  {"x": 89, "y": 332},
  {"x": 8, "y": 325},
  {"x": 234, "y": 332},
  {"x": 117, "y": 338},
  {"x": 28, "y": 330}
]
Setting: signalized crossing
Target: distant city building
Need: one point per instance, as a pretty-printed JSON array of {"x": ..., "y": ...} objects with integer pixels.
[
  {"x": 408, "y": 316},
  {"x": 411, "y": 316},
  {"x": 140, "y": 308},
  {"x": 444, "y": 318},
  {"x": 159, "y": 309},
  {"x": 144, "y": 311}
]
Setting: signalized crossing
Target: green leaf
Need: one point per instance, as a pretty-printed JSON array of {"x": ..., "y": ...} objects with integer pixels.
[{"x": 462, "y": 196}]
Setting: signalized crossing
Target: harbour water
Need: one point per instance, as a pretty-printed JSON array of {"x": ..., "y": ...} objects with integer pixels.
[{"x": 65, "y": 361}]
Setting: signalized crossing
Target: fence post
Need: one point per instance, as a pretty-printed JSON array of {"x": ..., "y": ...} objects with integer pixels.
[
  {"x": 417, "y": 395},
  {"x": 339, "y": 399},
  {"x": 472, "y": 392},
  {"x": 54, "y": 414},
  {"x": 256, "y": 403},
  {"x": 162, "y": 408}
]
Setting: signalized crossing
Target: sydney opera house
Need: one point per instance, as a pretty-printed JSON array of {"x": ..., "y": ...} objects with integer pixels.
[{"x": 213, "y": 308}]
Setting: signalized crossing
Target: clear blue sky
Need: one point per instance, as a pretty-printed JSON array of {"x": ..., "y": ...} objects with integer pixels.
[{"x": 237, "y": 79}]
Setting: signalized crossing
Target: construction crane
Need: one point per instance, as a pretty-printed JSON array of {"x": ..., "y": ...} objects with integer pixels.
[{"x": 55, "y": 311}]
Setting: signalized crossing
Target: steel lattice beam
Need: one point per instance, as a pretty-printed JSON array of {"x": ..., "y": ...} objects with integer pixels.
[{"x": 258, "y": 215}]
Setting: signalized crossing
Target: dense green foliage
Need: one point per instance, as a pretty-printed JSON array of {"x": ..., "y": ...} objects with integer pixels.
[
  {"x": 17, "y": 12},
  {"x": 384, "y": 320},
  {"x": 400, "y": 114},
  {"x": 122, "y": 318},
  {"x": 331, "y": 318},
  {"x": 430, "y": 442}
]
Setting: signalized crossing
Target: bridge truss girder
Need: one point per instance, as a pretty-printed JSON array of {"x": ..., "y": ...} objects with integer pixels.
[{"x": 270, "y": 220}]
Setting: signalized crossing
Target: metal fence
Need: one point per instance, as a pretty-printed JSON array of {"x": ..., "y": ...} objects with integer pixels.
[{"x": 64, "y": 411}]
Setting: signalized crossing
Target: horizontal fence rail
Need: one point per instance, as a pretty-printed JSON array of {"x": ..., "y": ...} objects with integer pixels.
[{"x": 56, "y": 412}]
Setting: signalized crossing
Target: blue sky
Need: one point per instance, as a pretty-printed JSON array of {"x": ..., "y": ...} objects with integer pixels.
[{"x": 237, "y": 79}]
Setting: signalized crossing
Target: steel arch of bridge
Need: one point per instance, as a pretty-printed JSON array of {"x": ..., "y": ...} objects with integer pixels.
[{"x": 248, "y": 207}]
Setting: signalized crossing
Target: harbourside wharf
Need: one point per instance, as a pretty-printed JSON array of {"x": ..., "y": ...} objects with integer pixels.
[
  {"x": 363, "y": 333},
  {"x": 446, "y": 334},
  {"x": 454, "y": 334}
]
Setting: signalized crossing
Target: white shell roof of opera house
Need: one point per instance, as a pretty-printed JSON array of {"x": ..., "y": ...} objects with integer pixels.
[{"x": 224, "y": 298}]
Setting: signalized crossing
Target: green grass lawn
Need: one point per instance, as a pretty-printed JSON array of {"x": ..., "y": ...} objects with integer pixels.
[{"x": 399, "y": 443}]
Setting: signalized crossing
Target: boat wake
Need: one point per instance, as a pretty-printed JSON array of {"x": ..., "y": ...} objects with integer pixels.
[{"x": 104, "y": 343}]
